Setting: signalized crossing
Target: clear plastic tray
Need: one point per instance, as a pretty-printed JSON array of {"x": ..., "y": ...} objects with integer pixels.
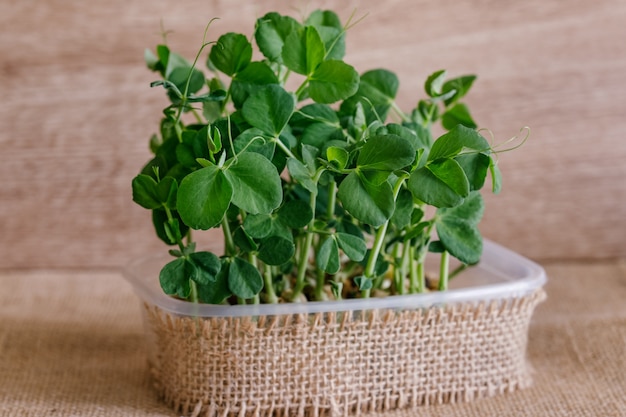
[{"x": 500, "y": 274}]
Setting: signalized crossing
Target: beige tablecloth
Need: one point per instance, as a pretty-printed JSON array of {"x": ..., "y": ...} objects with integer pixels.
[{"x": 71, "y": 345}]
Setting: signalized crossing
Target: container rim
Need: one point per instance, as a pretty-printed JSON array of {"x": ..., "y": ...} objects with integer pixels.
[{"x": 495, "y": 259}]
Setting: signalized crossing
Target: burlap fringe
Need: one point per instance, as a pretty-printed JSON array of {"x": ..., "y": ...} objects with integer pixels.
[{"x": 339, "y": 364}]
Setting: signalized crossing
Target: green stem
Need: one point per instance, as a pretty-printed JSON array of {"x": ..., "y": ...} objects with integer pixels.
[
  {"x": 269, "y": 285},
  {"x": 285, "y": 149},
  {"x": 379, "y": 239},
  {"x": 406, "y": 262},
  {"x": 444, "y": 271},
  {"x": 304, "y": 252},
  {"x": 332, "y": 200},
  {"x": 319, "y": 287},
  {"x": 308, "y": 242},
  {"x": 229, "y": 243}
]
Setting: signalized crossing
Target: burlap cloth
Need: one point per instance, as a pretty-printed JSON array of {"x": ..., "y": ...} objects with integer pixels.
[{"x": 71, "y": 344}]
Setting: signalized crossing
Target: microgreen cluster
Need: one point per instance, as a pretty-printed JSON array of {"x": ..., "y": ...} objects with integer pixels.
[{"x": 323, "y": 190}]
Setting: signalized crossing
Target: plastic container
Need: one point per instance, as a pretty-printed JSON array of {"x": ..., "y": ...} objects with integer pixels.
[{"x": 344, "y": 357}]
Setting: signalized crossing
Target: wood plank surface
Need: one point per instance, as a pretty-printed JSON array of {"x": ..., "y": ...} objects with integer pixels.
[{"x": 77, "y": 113}]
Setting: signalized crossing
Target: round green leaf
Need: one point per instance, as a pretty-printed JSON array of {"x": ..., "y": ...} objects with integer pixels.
[
  {"x": 216, "y": 292},
  {"x": 203, "y": 197},
  {"x": 333, "y": 81},
  {"x": 460, "y": 238},
  {"x": 327, "y": 258},
  {"x": 174, "y": 278},
  {"x": 276, "y": 250},
  {"x": 370, "y": 204},
  {"x": 145, "y": 192},
  {"x": 250, "y": 79},
  {"x": 303, "y": 50},
  {"x": 244, "y": 280},
  {"x": 207, "y": 266},
  {"x": 271, "y": 32},
  {"x": 255, "y": 182},
  {"x": 269, "y": 109},
  {"x": 295, "y": 214},
  {"x": 353, "y": 246},
  {"x": 452, "y": 143},
  {"x": 231, "y": 54},
  {"x": 386, "y": 153},
  {"x": 459, "y": 114},
  {"x": 433, "y": 190}
]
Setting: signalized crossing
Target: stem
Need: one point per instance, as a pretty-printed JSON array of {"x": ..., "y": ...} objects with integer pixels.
[
  {"x": 304, "y": 252},
  {"x": 285, "y": 149},
  {"x": 193, "y": 295},
  {"x": 301, "y": 88},
  {"x": 370, "y": 267},
  {"x": 406, "y": 261},
  {"x": 269, "y": 285},
  {"x": 379, "y": 239},
  {"x": 444, "y": 271},
  {"x": 319, "y": 287},
  {"x": 332, "y": 200},
  {"x": 308, "y": 242},
  {"x": 229, "y": 243}
]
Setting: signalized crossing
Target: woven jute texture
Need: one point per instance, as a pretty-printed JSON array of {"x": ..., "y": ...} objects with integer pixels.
[{"x": 335, "y": 364}]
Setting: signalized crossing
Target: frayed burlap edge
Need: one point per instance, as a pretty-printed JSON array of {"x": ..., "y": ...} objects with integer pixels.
[{"x": 332, "y": 364}]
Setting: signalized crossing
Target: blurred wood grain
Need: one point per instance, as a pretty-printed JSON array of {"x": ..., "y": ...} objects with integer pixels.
[{"x": 77, "y": 111}]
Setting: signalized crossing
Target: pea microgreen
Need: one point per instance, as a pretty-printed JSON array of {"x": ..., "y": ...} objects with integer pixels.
[{"x": 326, "y": 190}]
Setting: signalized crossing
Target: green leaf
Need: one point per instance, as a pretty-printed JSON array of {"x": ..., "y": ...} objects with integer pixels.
[
  {"x": 174, "y": 278},
  {"x": 377, "y": 88},
  {"x": 327, "y": 258},
  {"x": 353, "y": 246},
  {"x": 145, "y": 192},
  {"x": 450, "y": 173},
  {"x": 331, "y": 31},
  {"x": 459, "y": 85},
  {"x": 370, "y": 204},
  {"x": 301, "y": 174},
  {"x": 162, "y": 224},
  {"x": 452, "y": 143},
  {"x": 276, "y": 250},
  {"x": 470, "y": 211},
  {"x": 333, "y": 81},
  {"x": 319, "y": 134},
  {"x": 338, "y": 156},
  {"x": 457, "y": 229},
  {"x": 258, "y": 226},
  {"x": 434, "y": 83},
  {"x": 255, "y": 182},
  {"x": 475, "y": 166},
  {"x": 364, "y": 283},
  {"x": 271, "y": 32},
  {"x": 244, "y": 280},
  {"x": 303, "y": 50},
  {"x": 295, "y": 214},
  {"x": 252, "y": 78},
  {"x": 216, "y": 292},
  {"x": 404, "y": 209},
  {"x": 254, "y": 140},
  {"x": 203, "y": 197},
  {"x": 459, "y": 114},
  {"x": 231, "y": 54},
  {"x": 269, "y": 109},
  {"x": 166, "y": 191},
  {"x": 179, "y": 76},
  {"x": 429, "y": 188},
  {"x": 207, "y": 267},
  {"x": 460, "y": 238},
  {"x": 386, "y": 153}
]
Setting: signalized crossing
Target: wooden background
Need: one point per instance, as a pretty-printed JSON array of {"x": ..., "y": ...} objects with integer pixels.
[{"x": 76, "y": 113}]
